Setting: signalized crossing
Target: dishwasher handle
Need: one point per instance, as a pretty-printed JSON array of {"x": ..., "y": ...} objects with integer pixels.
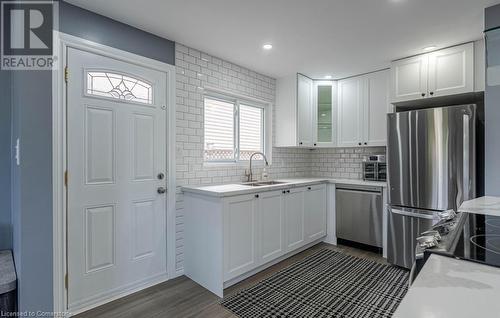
[{"x": 363, "y": 191}]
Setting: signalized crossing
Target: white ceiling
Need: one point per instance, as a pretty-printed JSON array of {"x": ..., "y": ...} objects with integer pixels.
[{"x": 315, "y": 37}]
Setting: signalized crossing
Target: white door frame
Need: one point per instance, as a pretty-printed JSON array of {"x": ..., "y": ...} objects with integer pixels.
[{"x": 59, "y": 165}]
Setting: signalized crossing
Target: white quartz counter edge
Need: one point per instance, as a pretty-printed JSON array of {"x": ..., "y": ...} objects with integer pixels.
[
  {"x": 450, "y": 288},
  {"x": 482, "y": 205},
  {"x": 227, "y": 190}
]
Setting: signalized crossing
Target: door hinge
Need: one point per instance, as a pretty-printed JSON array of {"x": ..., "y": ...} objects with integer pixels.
[
  {"x": 66, "y": 74},
  {"x": 66, "y": 281},
  {"x": 66, "y": 178}
]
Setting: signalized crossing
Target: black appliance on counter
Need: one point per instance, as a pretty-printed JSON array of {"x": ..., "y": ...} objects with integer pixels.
[{"x": 374, "y": 168}]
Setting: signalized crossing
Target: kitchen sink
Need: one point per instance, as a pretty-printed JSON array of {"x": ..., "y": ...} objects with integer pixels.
[
  {"x": 262, "y": 183},
  {"x": 270, "y": 182}
]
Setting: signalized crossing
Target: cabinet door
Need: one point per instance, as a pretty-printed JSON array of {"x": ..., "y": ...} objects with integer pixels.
[
  {"x": 376, "y": 108},
  {"x": 451, "y": 71},
  {"x": 239, "y": 235},
  {"x": 294, "y": 218},
  {"x": 304, "y": 110},
  {"x": 315, "y": 212},
  {"x": 324, "y": 114},
  {"x": 350, "y": 107},
  {"x": 271, "y": 226},
  {"x": 409, "y": 78}
]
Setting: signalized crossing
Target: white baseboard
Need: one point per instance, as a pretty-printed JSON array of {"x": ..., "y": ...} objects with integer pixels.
[
  {"x": 178, "y": 273},
  {"x": 330, "y": 240},
  {"x": 115, "y": 294}
]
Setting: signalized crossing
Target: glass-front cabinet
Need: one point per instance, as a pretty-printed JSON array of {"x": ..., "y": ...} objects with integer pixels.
[{"x": 324, "y": 113}]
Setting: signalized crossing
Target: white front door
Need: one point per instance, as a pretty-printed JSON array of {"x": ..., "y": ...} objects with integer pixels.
[{"x": 116, "y": 158}]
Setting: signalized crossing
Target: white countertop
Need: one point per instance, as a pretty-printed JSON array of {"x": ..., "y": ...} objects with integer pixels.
[
  {"x": 482, "y": 205},
  {"x": 451, "y": 288},
  {"x": 226, "y": 190}
]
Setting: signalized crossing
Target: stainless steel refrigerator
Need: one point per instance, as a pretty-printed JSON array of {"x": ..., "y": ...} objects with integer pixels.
[{"x": 431, "y": 168}]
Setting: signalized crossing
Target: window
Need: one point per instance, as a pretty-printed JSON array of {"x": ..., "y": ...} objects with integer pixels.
[
  {"x": 119, "y": 86},
  {"x": 234, "y": 129}
]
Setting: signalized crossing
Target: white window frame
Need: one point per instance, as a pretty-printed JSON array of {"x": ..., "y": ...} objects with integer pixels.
[{"x": 238, "y": 100}]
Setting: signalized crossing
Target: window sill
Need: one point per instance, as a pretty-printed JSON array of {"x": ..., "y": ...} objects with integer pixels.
[{"x": 221, "y": 164}]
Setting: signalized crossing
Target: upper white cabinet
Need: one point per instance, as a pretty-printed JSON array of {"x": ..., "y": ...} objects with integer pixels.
[
  {"x": 409, "y": 78},
  {"x": 351, "y": 99},
  {"x": 362, "y": 110},
  {"x": 451, "y": 71},
  {"x": 324, "y": 122},
  {"x": 305, "y": 112},
  {"x": 376, "y": 108},
  {"x": 445, "y": 72}
]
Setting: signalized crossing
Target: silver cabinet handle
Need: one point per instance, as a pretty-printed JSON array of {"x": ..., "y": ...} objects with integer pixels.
[{"x": 161, "y": 190}]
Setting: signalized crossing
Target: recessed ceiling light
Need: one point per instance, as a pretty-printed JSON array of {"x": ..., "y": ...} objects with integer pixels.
[
  {"x": 429, "y": 48},
  {"x": 267, "y": 46},
  {"x": 328, "y": 77}
]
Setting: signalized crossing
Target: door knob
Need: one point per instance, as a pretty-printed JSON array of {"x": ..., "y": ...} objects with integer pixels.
[{"x": 161, "y": 190}]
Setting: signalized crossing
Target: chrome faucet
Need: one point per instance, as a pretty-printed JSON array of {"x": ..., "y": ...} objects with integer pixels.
[{"x": 249, "y": 173}]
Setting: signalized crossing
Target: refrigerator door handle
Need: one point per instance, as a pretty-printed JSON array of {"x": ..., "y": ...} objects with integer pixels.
[
  {"x": 412, "y": 214},
  {"x": 466, "y": 159}
]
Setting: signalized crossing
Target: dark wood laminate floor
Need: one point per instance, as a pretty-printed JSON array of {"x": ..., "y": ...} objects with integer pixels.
[{"x": 181, "y": 297}]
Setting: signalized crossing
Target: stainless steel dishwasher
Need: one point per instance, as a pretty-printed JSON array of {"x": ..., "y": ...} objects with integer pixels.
[{"x": 359, "y": 214}]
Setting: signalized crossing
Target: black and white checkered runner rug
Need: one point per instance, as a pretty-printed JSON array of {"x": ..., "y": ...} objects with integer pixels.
[{"x": 325, "y": 284}]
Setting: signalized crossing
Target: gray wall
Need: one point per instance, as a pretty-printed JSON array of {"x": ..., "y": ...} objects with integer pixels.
[
  {"x": 492, "y": 104},
  {"x": 492, "y": 17},
  {"x": 97, "y": 28},
  {"x": 33, "y": 195},
  {"x": 5, "y": 161},
  {"x": 32, "y": 123}
]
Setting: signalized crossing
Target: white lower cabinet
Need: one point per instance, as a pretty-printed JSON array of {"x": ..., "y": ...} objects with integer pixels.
[
  {"x": 294, "y": 218},
  {"x": 271, "y": 225},
  {"x": 240, "y": 232},
  {"x": 230, "y": 237},
  {"x": 315, "y": 216}
]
